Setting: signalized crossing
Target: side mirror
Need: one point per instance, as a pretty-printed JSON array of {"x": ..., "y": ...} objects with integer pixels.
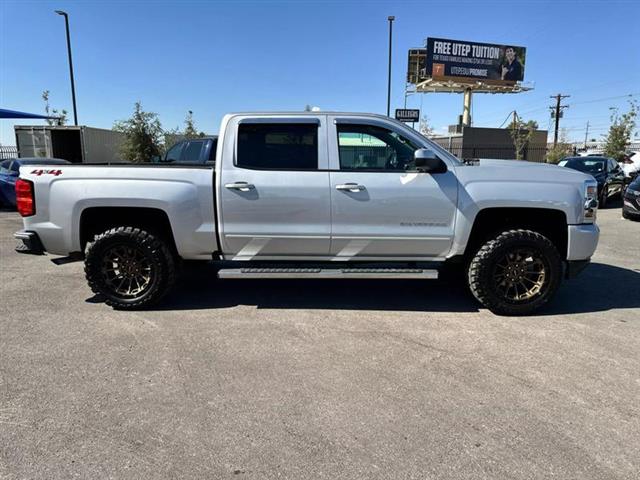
[
  {"x": 427, "y": 161},
  {"x": 156, "y": 159}
]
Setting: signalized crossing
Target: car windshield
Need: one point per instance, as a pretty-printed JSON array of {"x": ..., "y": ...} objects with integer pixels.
[
  {"x": 587, "y": 164},
  {"x": 5, "y": 167}
]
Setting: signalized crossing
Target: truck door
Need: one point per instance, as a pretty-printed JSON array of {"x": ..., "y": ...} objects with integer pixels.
[
  {"x": 381, "y": 206},
  {"x": 274, "y": 200}
]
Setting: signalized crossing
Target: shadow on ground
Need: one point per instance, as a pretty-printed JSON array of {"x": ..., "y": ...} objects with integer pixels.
[{"x": 600, "y": 287}]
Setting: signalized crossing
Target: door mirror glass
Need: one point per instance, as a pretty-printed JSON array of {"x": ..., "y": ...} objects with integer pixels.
[{"x": 427, "y": 161}]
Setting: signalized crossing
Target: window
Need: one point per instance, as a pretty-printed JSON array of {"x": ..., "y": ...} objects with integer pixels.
[
  {"x": 191, "y": 152},
  {"x": 173, "y": 155},
  {"x": 5, "y": 167},
  {"x": 613, "y": 165},
  {"x": 278, "y": 146},
  {"x": 365, "y": 147}
]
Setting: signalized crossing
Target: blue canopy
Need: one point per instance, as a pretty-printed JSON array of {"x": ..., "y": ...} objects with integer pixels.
[{"x": 4, "y": 113}]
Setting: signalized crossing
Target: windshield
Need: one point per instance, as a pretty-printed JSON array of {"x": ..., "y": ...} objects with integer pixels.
[{"x": 587, "y": 164}]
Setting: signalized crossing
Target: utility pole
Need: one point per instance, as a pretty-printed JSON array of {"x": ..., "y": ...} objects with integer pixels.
[
  {"x": 391, "y": 19},
  {"x": 557, "y": 114},
  {"x": 586, "y": 135}
]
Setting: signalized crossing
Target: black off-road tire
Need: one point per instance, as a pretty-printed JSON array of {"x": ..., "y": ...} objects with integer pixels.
[
  {"x": 155, "y": 251},
  {"x": 483, "y": 267}
]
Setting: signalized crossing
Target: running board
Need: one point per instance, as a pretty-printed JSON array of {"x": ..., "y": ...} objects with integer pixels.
[{"x": 385, "y": 273}]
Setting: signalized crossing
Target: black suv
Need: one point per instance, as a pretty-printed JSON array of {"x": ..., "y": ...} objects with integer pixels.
[{"x": 606, "y": 171}]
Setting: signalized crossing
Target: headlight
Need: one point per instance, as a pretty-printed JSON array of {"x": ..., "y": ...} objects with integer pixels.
[{"x": 590, "y": 201}]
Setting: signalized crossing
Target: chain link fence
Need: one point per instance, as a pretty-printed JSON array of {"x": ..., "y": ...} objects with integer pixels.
[{"x": 8, "y": 152}]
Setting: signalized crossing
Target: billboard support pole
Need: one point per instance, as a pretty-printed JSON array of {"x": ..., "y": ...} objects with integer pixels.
[{"x": 466, "y": 110}]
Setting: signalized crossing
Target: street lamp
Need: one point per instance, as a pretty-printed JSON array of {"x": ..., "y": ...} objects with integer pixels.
[
  {"x": 391, "y": 19},
  {"x": 73, "y": 86}
]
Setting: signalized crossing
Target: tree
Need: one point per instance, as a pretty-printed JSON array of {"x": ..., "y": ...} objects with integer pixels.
[
  {"x": 619, "y": 137},
  {"x": 62, "y": 115},
  {"x": 425, "y": 127},
  {"x": 560, "y": 150},
  {"x": 190, "y": 130},
  {"x": 143, "y": 133},
  {"x": 521, "y": 133}
]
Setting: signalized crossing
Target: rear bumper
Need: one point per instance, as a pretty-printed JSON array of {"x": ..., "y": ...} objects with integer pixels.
[
  {"x": 582, "y": 241},
  {"x": 31, "y": 243}
]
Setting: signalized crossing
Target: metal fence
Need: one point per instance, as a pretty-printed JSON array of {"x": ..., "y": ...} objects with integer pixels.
[
  {"x": 532, "y": 153},
  {"x": 8, "y": 152}
]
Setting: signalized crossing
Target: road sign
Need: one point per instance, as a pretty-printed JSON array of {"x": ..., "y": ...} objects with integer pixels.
[{"x": 407, "y": 115}]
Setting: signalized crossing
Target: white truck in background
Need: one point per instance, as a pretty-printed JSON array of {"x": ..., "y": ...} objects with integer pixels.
[{"x": 317, "y": 195}]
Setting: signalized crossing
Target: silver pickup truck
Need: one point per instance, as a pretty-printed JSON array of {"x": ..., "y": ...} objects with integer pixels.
[{"x": 316, "y": 195}]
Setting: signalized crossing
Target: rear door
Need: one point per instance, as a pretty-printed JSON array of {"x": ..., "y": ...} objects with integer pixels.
[
  {"x": 274, "y": 188},
  {"x": 381, "y": 206}
]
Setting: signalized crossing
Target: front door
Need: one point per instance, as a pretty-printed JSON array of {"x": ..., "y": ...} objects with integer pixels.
[
  {"x": 380, "y": 205},
  {"x": 274, "y": 189}
]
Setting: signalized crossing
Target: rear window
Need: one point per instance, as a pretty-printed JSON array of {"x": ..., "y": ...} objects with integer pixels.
[{"x": 278, "y": 146}]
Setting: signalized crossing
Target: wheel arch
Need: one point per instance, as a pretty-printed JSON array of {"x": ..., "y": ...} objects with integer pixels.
[
  {"x": 95, "y": 220},
  {"x": 488, "y": 222}
]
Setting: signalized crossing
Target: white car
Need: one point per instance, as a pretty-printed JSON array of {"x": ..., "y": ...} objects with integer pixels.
[{"x": 632, "y": 165}]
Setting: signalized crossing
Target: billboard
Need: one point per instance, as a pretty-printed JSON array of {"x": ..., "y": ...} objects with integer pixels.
[{"x": 474, "y": 61}]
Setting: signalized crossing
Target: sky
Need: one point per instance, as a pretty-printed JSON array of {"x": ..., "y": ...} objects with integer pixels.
[{"x": 215, "y": 57}]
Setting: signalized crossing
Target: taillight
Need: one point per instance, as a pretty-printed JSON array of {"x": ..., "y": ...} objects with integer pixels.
[{"x": 25, "y": 199}]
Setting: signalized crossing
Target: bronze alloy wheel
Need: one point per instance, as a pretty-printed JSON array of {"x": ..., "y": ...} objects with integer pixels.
[
  {"x": 127, "y": 271},
  {"x": 520, "y": 275},
  {"x": 516, "y": 272}
]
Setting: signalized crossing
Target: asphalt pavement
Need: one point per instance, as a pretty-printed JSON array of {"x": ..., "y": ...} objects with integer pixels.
[{"x": 319, "y": 379}]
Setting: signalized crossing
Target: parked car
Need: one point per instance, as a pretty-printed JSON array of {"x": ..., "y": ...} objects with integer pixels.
[
  {"x": 9, "y": 171},
  {"x": 631, "y": 200},
  {"x": 197, "y": 150},
  {"x": 606, "y": 171},
  {"x": 631, "y": 165},
  {"x": 318, "y": 195}
]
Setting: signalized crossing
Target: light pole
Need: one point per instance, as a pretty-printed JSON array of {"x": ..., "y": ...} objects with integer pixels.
[
  {"x": 391, "y": 19},
  {"x": 73, "y": 85}
]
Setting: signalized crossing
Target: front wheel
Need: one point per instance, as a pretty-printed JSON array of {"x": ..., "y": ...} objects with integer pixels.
[
  {"x": 515, "y": 273},
  {"x": 130, "y": 267}
]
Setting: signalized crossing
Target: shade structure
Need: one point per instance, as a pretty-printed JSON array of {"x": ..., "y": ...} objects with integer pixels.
[{"x": 6, "y": 113}]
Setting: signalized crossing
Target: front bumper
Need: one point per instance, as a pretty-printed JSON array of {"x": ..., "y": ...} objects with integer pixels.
[
  {"x": 582, "y": 241},
  {"x": 31, "y": 243}
]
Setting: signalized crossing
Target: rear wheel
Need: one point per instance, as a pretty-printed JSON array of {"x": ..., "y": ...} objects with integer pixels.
[
  {"x": 130, "y": 267},
  {"x": 515, "y": 273}
]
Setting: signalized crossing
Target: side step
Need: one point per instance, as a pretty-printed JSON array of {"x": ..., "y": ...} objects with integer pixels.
[{"x": 386, "y": 273}]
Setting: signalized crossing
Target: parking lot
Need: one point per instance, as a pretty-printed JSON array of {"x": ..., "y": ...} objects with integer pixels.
[{"x": 307, "y": 379}]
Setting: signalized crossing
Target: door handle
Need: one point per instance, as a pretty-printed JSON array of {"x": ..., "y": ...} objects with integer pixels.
[
  {"x": 350, "y": 187},
  {"x": 242, "y": 186}
]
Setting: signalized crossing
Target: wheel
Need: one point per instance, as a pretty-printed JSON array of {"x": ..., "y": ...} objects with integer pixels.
[
  {"x": 604, "y": 196},
  {"x": 515, "y": 273},
  {"x": 130, "y": 267}
]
